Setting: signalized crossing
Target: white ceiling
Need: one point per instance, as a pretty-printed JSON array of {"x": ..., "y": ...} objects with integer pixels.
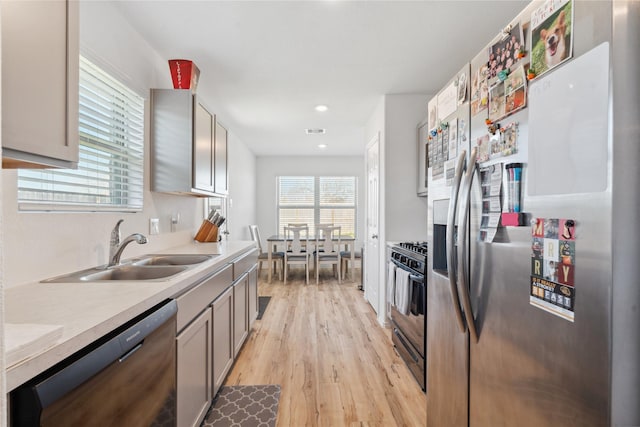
[{"x": 264, "y": 65}]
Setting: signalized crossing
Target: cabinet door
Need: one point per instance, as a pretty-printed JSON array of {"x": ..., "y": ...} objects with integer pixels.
[
  {"x": 40, "y": 67},
  {"x": 222, "y": 338},
  {"x": 240, "y": 317},
  {"x": 423, "y": 158},
  {"x": 202, "y": 149},
  {"x": 194, "y": 371},
  {"x": 220, "y": 162},
  {"x": 253, "y": 295}
]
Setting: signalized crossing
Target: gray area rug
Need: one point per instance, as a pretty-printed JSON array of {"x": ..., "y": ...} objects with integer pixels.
[{"x": 244, "y": 406}]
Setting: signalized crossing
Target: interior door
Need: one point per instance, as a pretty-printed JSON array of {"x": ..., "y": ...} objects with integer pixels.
[{"x": 372, "y": 260}]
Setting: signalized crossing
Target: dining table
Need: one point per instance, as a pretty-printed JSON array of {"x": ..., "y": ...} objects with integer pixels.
[{"x": 272, "y": 242}]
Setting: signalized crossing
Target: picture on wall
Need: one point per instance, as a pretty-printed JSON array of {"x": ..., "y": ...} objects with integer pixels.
[
  {"x": 482, "y": 145},
  {"x": 432, "y": 108},
  {"x": 551, "y": 35},
  {"x": 504, "y": 53},
  {"x": 496, "y": 102},
  {"x": 462, "y": 88},
  {"x": 479, "y": 90},
  {"x": 515, "y": 91}
]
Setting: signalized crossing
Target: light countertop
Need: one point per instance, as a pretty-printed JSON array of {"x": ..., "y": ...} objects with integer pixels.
[{"x": 87, "y": 311}]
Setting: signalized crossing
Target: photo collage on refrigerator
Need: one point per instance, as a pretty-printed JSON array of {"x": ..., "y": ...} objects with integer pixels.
[{"x": 553, "y": 266}]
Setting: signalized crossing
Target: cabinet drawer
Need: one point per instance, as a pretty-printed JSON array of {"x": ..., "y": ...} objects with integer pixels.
[
  {"x": 198, "y": 298},
  {"x": 244, "y": 263}
]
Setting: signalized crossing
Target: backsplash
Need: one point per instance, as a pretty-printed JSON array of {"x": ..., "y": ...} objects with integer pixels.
[{"x": 39, "y": 245}]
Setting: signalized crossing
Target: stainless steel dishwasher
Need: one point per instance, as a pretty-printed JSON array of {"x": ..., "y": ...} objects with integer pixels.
[{"x": 127, "y": 378}]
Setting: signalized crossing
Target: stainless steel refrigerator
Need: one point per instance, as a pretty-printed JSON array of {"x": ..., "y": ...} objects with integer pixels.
[{"x": 501, "y": 352}]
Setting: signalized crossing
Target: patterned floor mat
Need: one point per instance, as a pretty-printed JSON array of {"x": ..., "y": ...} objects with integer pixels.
[{"x": 244, "y": 406}]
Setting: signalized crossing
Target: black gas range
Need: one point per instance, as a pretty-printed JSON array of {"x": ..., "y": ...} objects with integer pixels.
[
  {"x": 408, "y": 305},
  {"x": 412, "y": 255}
]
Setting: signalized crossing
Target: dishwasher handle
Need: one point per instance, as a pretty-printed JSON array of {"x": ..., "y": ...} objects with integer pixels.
[{"x": 120, "y": 343}]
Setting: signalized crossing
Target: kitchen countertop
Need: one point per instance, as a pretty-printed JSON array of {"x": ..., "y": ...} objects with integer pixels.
[{"x": 88, "y": 311}]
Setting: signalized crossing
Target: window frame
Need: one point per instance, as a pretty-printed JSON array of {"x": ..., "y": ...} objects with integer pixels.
[
  {"x": 120, "y": 145},
  {"x": 317, "y": 206}
]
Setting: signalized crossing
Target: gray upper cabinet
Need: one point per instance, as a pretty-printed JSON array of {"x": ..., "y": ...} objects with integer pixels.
[
  {"x": 183, "y": 144},
  {"x": 423, "y": 158},
  {"x": 220, "y": 162},
  {"x": 40, "y": 66},
  {"x": 203, "y": 160}
]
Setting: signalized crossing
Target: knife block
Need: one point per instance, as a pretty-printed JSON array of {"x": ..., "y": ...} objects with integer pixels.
[{"x": 208, "y": 232}]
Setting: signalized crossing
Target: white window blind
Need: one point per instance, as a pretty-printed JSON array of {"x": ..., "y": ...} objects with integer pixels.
[
  {"x": 318, "y": 200},
  {"x": 109, "y": 176}
]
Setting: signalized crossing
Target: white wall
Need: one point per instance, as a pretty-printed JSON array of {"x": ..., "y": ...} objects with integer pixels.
[
  {"x": 405, "y": 212},
  {"x": 41, "y": 245},
  {"x": 242, "y": 189},
  {"x": 269, "y": 167}
]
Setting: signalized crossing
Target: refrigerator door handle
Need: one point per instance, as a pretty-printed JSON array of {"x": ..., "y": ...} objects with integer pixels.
[
  {"x": 463, "y": 245},
  {"x": 451, "y": 261}
]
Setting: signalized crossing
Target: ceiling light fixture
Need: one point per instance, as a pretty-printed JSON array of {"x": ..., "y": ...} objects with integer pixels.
[
  {"x": 315, "y": 131},
  {"x": 322, "y": 146},
  {"x": 321, "y": 108}
]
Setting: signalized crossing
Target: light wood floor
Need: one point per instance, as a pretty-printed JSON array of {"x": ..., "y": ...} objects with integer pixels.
[{"x": 336, "y": 366}]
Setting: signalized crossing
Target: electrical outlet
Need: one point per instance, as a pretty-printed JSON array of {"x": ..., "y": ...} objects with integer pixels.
[
  {"x": 154, "y": 226},
  {"x": 175, "y": 219}
]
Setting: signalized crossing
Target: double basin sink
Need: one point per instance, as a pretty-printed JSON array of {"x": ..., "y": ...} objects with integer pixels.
[{"x": 146, "y": 268}]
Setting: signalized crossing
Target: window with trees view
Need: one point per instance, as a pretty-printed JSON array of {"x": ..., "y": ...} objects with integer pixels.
[{"x": 318, "y": 200}]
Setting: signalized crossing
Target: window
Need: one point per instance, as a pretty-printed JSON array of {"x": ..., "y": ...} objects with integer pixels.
[
  {"x": 110, "y": 169},
  {"x": 318, "y": 200}
]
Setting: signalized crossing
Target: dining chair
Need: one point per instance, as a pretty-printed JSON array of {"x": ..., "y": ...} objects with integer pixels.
[
  {"x": 301, "y": 225},
  {"x": 345, "y": 256},
  {"x": 328, "y": 249},
  {"x": 296, "y": 244},
  {"x": 263, "y": 257}
]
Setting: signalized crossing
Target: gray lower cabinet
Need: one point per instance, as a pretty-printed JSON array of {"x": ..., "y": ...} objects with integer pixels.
[
  {"x": 240, "y": 313},
  {"x": 195, "y": 345},
  {"x": 194, "y": 370},
  {"x": 223, "y": 354},
  {"x": 253, "y": 295},
  {"x": 213, "y": 322}
]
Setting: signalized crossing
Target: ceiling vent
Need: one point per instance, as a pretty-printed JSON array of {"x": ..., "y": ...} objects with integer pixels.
[{"x": 315, "y": 131}]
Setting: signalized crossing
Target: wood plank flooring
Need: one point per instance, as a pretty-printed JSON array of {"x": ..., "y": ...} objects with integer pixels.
[{"x": 336, "y": 365}]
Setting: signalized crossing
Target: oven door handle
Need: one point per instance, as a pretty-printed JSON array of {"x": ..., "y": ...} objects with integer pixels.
[
  {"x": 407, "y": 269},
  {"x": 463, "y": 246},
  {"x": 416, "y": 278},
  {"x": 451, "y": 258}
]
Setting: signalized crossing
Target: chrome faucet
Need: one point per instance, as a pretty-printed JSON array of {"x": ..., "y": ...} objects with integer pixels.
[{"x": 116, "y": 247}]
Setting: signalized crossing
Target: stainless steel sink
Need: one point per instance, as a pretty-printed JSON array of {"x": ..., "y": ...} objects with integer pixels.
[
  {"x": 145, "y": 268},
  {"x": 121, "y": 272},
  {"x": 134, "y": 272},
  {"x": 181, "y": 259}
]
